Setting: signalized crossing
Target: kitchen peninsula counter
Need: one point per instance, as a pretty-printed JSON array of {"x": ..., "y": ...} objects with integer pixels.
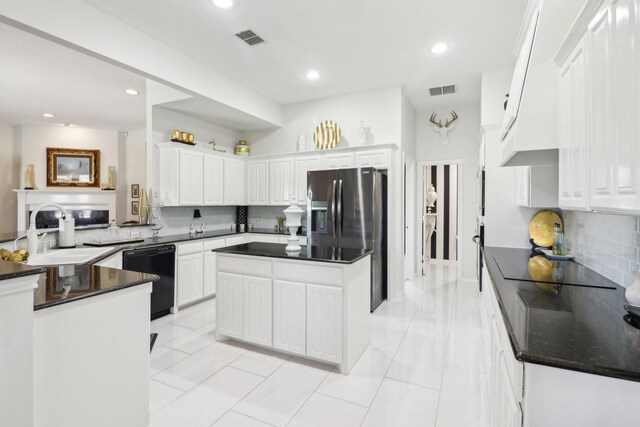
[{"x": 307, "y": 253}]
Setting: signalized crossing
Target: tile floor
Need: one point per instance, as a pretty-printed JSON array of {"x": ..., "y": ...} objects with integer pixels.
[{"x": 423, "y": 367}]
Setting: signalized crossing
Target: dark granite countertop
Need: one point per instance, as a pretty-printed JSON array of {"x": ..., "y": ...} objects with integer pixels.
[
  {"x": 572, "y": 327},
  {"x": 11, "y": 270},
  {"x": 69, "y": 283},
  {"x": 308, "y": 253}
]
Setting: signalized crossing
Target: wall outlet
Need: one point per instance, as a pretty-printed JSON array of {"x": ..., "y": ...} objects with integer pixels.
[
  {"x": 135, "y": 234},
  {"x": 53, "y": 243}
]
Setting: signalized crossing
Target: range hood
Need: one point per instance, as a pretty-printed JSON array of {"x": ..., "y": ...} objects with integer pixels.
[{"x": 530, "y": 128}]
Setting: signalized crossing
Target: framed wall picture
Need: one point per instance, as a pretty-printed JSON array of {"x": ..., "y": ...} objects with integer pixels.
[
  {"x": 135, "y": 207},
  {"x": 135, "y": 191},
  {"x": 70, "y": 167}
]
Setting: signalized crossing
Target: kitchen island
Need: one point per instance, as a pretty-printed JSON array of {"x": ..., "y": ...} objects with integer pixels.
[
  {"x": 314, "y": 304},
  {"x": 83, "y": 332}
]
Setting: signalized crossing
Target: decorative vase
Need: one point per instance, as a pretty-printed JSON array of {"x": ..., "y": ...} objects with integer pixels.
[
  {"x": 294, "y": 215},
  {"x": 302, "y": 143},
  {"x": 111, "y": 178},
  {"x": 362, "y": 134},
  {"x": 144, "y": 207},
  {"x": 429, "y": 219},
  {"x": 28, "y": 178},
  {"x": 155, "y": 213}
]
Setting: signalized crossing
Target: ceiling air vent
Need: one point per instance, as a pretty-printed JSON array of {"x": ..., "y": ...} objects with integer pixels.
[
  {"x": 442, "y": 90},
  {"x": 249, "y": 37}
]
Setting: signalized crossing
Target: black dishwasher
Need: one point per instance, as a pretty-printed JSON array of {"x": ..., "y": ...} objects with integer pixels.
[{"x": 158, "y": 260}]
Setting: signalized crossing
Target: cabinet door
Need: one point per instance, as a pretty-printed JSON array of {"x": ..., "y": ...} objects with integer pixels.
[
  {"x": 210, "y": 265},
  {"x": 256, "y": 309},
  {"x": 340, "y": 161},
  {"x": 234, "y": 182},
  {"x": 289, "y": 316},
  {"x": 213, "y": 180},
  {"x": 376, "y": 159},
  {"x": 304, "y": 165},
  {"x": 282, "y": 181},
  {"x": 601, "y": 109},
  {"x": 189, "y": 281},
  {"x": 508, "y": 408},
  {"x": 324, "y": 323},
  {"x": 229, "y": 305},
  {"x": 191, "y": 178},
  {"x": 168, "y": 176},
  {"x": 258, "y": 182}
]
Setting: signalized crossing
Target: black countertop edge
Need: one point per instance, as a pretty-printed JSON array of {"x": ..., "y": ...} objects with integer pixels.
[
  {"x": 179, "y": 238},
  {"x": 50, "y": 285},
  {"x": 531, "y": 357},
  {"x": 308, "y": 253},
  {"x": 11, "y": 270}
]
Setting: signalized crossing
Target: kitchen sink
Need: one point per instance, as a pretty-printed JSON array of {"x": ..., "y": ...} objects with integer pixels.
[{"x": 67, "y": 256}]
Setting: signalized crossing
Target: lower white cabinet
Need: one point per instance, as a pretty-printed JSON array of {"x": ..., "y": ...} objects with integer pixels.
[
  {"x": 189, "y": 274},
  {"x": 210, "y": 276},
  {"x": 289, "y": 316},
  {"x": 256, "y": 310},
  {"x": 324, "y": 323},
  {"x": 229, "y": 315}
]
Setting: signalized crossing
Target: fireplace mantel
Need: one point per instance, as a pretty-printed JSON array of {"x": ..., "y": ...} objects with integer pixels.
[{"x": 72, "y": 198}]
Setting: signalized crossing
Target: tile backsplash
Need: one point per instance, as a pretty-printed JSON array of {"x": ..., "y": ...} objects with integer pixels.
[{"x": 608, "y": 244}]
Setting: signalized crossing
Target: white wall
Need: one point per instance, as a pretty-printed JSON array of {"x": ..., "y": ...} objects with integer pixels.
[
  {"x": 34, "y": 141},
  {"x": 463, "y": 145},
  {"x": 409, "y": 147},
  {"x": 136, "y": 167},
  {"x": 380, "y": 110},
  {"x": 9, "y": 179}
]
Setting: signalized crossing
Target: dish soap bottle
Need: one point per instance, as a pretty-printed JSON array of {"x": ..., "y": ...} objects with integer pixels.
[{"x": 558, "y": 239}]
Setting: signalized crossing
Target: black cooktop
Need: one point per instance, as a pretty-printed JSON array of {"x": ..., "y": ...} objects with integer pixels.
[{"x": 527, "y": 266}]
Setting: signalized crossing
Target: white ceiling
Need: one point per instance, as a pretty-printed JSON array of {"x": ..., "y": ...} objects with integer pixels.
[
  {"x": 355, "y": 44},
  {"x": 38, "y": 76}
]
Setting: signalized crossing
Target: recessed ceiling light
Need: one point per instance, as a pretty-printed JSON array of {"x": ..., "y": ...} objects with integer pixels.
[
  {"x": 439, "y": 48},
  {"x": 47, "y": 115},
  {"x": 224, "y": 4},
  {"x": 313, "y": 75},
  {"x": 132, "y": 92}
]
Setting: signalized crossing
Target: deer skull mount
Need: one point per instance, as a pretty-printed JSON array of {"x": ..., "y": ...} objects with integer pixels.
[{"x": 443, "y": 129}]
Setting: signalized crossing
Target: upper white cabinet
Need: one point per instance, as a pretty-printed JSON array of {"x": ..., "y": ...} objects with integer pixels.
[
  {"x": 573, "y": 131},
  {"x": 213, "y": 178},
  {"x": 282, "y": 174},
  {"x": 304, "y": 165},
  {"x": 234, "y": 189},
  {"x": 168, "y": 175},
  {"x": 191, "y": 178},
  {"x": 340, "y": 160},
  {"x": 375, "y": 158},
  {"x": 257, "y": 182}
]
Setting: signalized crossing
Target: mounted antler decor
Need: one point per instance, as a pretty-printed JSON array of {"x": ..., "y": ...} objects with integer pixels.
[{"x": 443, "y": 129}]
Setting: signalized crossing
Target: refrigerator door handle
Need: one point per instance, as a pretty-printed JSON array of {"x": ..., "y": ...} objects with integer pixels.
[
  {"x": 339, "y": 217},
  {"x": 333, "y": 206}
]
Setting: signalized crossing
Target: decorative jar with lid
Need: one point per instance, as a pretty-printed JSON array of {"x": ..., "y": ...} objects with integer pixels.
[{"x": 242, "y": 149}]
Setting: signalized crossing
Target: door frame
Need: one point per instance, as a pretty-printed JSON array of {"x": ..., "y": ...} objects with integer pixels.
[{"x": 420, "y": 209}]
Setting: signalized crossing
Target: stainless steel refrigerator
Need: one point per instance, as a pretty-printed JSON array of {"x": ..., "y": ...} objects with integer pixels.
[{"x": 347, "y": 208}]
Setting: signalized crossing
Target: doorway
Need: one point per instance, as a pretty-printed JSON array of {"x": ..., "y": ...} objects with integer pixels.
[{"x": 442, "y": 245}]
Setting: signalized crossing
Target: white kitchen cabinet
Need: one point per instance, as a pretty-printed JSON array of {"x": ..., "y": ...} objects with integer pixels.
[
  {"x": 324, "y": 323},
  {"x": 234, "y": 182},
  {"x": 340, "y": 160},
  {"x": 289, "y": 316},
  {"x": 537, "y": 186},
  {"x": 257, "y": 182},
  {"x": 507, "y": 409},
  {"x": 572, "y": 101},
  {"x": 229, "y": 315},
  {"x": 113, "y": 261},
  {"x": 168, "y": 175},
  {"x": 209, "y": 257},
  {"x": 237, "y": 240},
  {"x": 191, "y": 178},
  {"x": 379, "y": 159},
  {"x": 612, "y": 88},
  {"x": 256, "y": 310},
  {"x": 189, "y": 273},
  {"x": 282, "y": 181},
  {"x": 213, "y": 177},
  {"x": 265, "y": 238},
  {"x": 304, "y": 165}
]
